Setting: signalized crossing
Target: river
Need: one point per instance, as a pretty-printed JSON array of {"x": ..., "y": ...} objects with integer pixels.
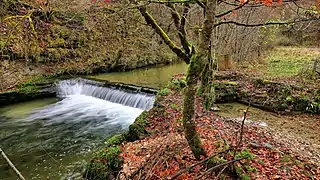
[{"x": 50, "y": 138}]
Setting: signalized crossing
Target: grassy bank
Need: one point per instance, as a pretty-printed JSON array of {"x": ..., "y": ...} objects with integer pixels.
[{"x": 286, "y": 63}]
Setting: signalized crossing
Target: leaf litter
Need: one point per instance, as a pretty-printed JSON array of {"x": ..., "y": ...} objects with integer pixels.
[{"x": 165, "y": 152}]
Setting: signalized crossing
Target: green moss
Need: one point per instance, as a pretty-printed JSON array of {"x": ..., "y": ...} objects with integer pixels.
[
  {"x": 105, "y": 165},
  {"x": 114, "y": 140},
  {"x": 164, "y": 92},
  {"x": 199, "y": 91},
  {"x": 58, "y": 42},
  {"x": 31, "y": 85},
  {"x": 244, "y": 93},
  {"x": 266, "y": 81},
  {"x": 289, "y": 99},
  {"x": 286, "y": 158},
  {"x": 111, "y": 156},
  {"x": 28, "y": 89},
  {"x": 177, "y": 84},
  {"x": 245, "y": 153},
  {"x": 252, "y": 169},
  {"x": 301, "y": 104},
  {"x": 174, "y": 106},
  {"x": 137, "y": 129},
  {"x": 231, "y": 83}
]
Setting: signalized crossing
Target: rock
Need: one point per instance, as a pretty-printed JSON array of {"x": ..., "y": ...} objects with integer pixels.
[
  {"x": 267, "y": 145},
  {"x": 215, "y": 109},
  {"x": 255, "y": 145}
]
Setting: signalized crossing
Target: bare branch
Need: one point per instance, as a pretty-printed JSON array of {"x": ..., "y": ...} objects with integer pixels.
[
  {"x": 231, "y": 10},
  {"x": 196, "y": 164},
  {"x": 219, "y": 165},
  {"x": 201, "y": 4},
  {"x": 266, "y": 23},
  {"x": 182, "y": 31},
  {"x": 11, "y": 165},
  {"x": 175, "y": 15},
  {"x": 172, "y": 2}
]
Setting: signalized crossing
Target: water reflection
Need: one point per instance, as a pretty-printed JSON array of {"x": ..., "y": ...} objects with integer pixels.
[{"x": 155, "y": 77}]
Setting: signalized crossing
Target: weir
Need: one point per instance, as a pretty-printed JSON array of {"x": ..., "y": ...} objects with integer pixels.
[{"x": 86, "y": 87}]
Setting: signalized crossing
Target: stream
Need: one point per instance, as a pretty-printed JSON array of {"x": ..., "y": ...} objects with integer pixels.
[{"x": 54, "y": 137}]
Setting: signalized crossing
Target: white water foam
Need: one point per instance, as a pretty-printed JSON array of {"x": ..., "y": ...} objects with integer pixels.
[
  {"x": 81, "y": 87},
  {"x": 76, "y": 108}
]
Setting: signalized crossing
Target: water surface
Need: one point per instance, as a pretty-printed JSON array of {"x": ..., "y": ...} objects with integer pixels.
[
  {"x": 154, "y": 77},
  {"x": 49, "y": 142}
]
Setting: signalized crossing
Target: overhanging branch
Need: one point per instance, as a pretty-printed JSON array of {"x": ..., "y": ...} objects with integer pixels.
[
  {"x": 266, "y": 23},
  {"x": 182, "y": 31},
  {"x": 151, "y": 21},
  {"x": 231, "y": 10}
]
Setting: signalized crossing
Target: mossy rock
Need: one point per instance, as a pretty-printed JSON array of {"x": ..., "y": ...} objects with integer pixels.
[
  {"x": 137, "y": 129},
  {"x": 314, "y": 108},
  {"x": 115, "y": 140},
  {"x": 105, "y": 165},
  {"x": 301, "y": 104}
]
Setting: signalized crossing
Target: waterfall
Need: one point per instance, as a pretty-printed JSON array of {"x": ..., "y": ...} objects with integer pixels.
[{"x": 91, "y": 88}]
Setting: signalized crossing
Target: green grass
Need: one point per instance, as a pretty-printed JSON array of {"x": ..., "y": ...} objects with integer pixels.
[
  {"x": 284, "y": 62},
  {"x": 288, "y": 61}
]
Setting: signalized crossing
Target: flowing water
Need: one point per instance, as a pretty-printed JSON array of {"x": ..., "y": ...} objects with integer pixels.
[{"x": 47, "y": 138}]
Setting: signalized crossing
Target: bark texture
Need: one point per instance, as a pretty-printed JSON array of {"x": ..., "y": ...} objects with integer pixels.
[
  {"x": 198, "y": 62},
  {"x": 194, "y": 69},
  {"x": 207, "y": 75}
]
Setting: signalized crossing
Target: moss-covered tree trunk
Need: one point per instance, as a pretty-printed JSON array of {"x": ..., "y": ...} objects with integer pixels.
[
  {"x": 198, "y": 61},
  {"x": 194, "y": 70}
]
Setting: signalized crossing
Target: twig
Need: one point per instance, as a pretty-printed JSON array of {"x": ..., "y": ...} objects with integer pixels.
[
  {"x": 241, "y": 129},
  {"x": 200, "y": 162},
  {"x": 219, "y": 165},
  {"x": 220, "y": 173},
  {"x": 138, "y": 171},
  {"x": 49, "y": 154},
  {"x": 11, "y": 165}
]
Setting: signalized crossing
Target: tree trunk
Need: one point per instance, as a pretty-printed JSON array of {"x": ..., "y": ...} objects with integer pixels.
[
  {"x": 194, "y": 69},
  {"x": 207, "y": 76},
  {"x": 198, "y": 61}
]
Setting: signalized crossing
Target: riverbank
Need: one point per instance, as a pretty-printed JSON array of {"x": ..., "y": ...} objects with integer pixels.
[
  {"x": 161, "y": 151},
  {"x": 18, "y": 74}
]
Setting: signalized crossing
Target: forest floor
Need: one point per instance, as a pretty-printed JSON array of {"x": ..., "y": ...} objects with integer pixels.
[{"x": 266, "y": 153}]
